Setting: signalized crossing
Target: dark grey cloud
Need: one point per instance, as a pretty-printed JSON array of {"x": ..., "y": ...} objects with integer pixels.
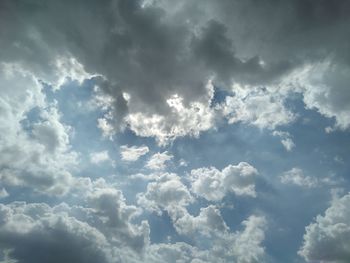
[
  {"x": 292, "y": 30},
  {"x": 153, "y": 50},
  {"x": 30, "y": 236},
  {"x": 141, "y": 50}
]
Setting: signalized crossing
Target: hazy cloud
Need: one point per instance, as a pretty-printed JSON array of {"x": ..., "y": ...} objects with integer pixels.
[{"x": 133, "y": 153}]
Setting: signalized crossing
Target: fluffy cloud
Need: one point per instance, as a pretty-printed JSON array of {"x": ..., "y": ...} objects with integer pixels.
[
  {"x": 242, "y": 246},
  {"x": 167, "y": 192},
  {"x": 132, "y": 153},
  {"x": 208, "y": 222},
  {"x": 157, "y": 161},
  {"x": 325, "y": 88},
  {"x": 258, "y": 106},
  {"x": 34, "y": 233},
  {"x": 208, "y": 230},
  {"x": 36, "y": 151},
  {"x": 213, "y": 184},
  {"x": 180, "y": 121},
  {"x": 247, "y": 246},
  {"x": 328, "y": 238},
  {"x": 100, "y": 229}
]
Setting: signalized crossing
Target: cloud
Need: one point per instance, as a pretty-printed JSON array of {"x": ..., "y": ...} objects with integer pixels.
[
  {"x": 213, "y": 185},
  {"x": 33, "y": 233},
  {"x": 133, "y": 153},
  {"x": 296, "y": 176},
  {"x": 325, "y": 88},
  {"x": 209, "y": 222},
  {"x": 3, "y": 193},
  {"x": 286, "y": 139},
  {"x": 181, "y": 120},
  {"x": 209, "y": 232},
  {"x": 100, "y": 157},
  {"x": 262, "y": 107},
  {"x": 99, "y": 229},
  {"x": 164, "y": 72},
  {"x": 157, "y": 161},
  {"x": 36, "y": 150},
  {"x": 241, "y": 246},
  {"x": 166, "y": 192},
  {"x": 328, "y": 238},
  {"x": 247, "y": 246}
]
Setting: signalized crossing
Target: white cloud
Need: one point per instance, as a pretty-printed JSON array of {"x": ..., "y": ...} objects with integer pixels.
[
  {"x": 247, "y": 245},
  {"x": 213, "y": 184},
  {"x": 241, "y": 246},
  {"x": 208, "y": 230},
  {"x": 296, "y": 176},
  {"x": 180, "y": 121},
  {"x": 100, "y": 228},
  {"x": 166, "y": 193},
  {"x": 286, "y": 139},
  {"x": 325, "y": 88},
  {"x": 158, "y": 161},
  {"x": 100, "y": 157},
  {"x": 35, "y": 153},
  {"x": 259, "y": 106},
  {"x": 209, "y": 222},
  {"x": 328, "y": 238},
  {"x": 106, "y": 128},
  {"x": 133, "y": 153}
]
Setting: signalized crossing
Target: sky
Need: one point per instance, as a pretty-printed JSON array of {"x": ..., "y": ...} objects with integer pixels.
[{"x": 174, "y": 131}]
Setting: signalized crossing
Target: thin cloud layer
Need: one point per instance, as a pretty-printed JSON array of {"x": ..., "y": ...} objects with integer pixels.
[{"x": 133, "y": 153}]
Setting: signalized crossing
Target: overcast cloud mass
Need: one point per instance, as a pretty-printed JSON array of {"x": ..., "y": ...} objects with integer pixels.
[{"x": 174, "y": 131}]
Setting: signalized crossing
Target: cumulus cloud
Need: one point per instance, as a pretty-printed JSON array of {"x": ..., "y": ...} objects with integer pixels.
[
  {"x": 213, "y": 184},
  {"x": 100, "y": 229},
  {"x": 155, "y": 66},
  {"x": 208, "y": 222},
  {"x": 328, "y": 238},
  {"x": 208, "y": 230},
  {"x": 325, "y": 88},
  {"x": 133, "y": 153},
  {"x": 247, "y": 246},
  {"x": 166, "y": 193},
  {"x": 242, "y": 246},
  {"x": 180, "y": 121},
  {"x": 259, "y": 106},
  {"x": 36, "y": 151},
  {"x": 158, "y": 160},
  {"x": 33, "y": 233}
]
